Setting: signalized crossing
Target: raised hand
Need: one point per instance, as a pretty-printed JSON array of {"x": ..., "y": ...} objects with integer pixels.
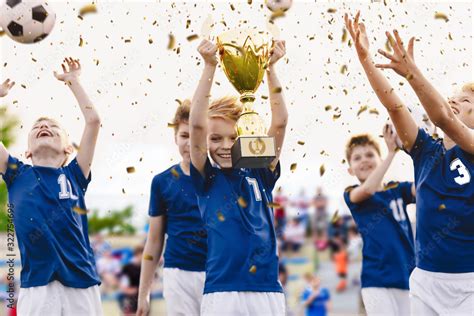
[
  {"x": 5, "y": 87},
  {"x": 277, "y": 52},
  {"x": 391, "y": 138},
  {"x": 208, "y": 51},
  {"x": 401, "y": 61},
  {"x": 71, "y": 72},
  {"x": 358, "y": 35}
]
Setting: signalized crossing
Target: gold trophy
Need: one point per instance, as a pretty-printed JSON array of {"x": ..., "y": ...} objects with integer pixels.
[{"x": 244, "y": 56}]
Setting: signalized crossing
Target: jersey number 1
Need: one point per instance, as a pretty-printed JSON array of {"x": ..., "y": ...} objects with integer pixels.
[{"x": 66, "y": 188}]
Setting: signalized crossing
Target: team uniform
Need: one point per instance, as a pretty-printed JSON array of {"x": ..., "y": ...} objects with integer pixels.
[
  {"x": 443, "y": 281},
  {"x": 58, "y": 275},
  {"x": 388, "y": 248},
  {"x": 318, "y": 305},
  {"x": 173, "y": 195},
  {"x": 242, "y": 261}
]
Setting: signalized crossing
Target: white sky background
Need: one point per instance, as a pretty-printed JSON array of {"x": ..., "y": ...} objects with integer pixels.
[{"x": 135, "y": 112}]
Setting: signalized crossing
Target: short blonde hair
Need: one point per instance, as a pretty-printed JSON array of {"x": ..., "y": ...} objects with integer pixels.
[
  {"x": 182, "y": 114},
  {"x": 468, "y": 87},
  {"x": 228, "y": 107},
  {"x": 361, "y": 140}
]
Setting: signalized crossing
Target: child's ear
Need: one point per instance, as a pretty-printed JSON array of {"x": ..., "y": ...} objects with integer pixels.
[
  {"x": 351, "y": 172},
  {"x": 69, "y": 149},
  {"x": 28, "y": 154}
]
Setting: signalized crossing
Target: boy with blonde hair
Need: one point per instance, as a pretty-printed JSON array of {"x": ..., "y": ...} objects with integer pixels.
[
  {"x": 442, "y": 282},
  {"x": 242, "y": 261},
  {"x": 174, "y": 211},
  {"x": 58, "y": 275}
]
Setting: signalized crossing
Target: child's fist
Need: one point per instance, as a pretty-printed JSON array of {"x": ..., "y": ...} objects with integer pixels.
[
  {"x": 5, "y": 87},
  {"x": 208, "y": 51},
  {"x": 277, "y": 52}
]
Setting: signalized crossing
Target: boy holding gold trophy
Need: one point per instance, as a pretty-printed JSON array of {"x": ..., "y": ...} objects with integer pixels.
[{"x": 235, "y": 182}]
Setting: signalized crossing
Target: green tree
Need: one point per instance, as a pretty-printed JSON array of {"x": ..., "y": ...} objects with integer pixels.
[
  {"x": 115, "y": 222},
  {"x": 8, "y": 123}
]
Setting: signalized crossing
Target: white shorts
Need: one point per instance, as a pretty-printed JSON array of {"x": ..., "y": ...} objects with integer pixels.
[
  {"x": 434, "y": 293},
  {"x": 243, "y": 304},
  {"x": 56, "y": 299},
  {"x": 386, "y": 301},
  {"x": 183, "y": 291}
]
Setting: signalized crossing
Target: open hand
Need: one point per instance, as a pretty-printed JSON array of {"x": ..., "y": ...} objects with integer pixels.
[
  {"x": 5, "y": 87},
  {"x": 277, "y": 52},
  {"x": 358, "y": 34},
  {"x": 391, "y": 138},
  {"x": 401, "y": 61},
  {"x": 71, "y": 72}
]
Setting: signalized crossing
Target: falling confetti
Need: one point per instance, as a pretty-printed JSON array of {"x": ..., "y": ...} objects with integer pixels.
[
  {"x": 273, "y": 205},
  {"x": 88, "y": 9},
  {"x": 242, "y": 202},
  {"x": 79, "y": 210},
  {"x": 171, "y": 41},
  {"x": 220, "y": 217},
  {"x": 193, "y": 37},
  {"x": 81, "y": 41},
  {"x": 293, "y": 167},
  {"x": 148, "y": 257},
  {"x": 335, "y": 217},
  {"x": 300, "y": 142},
  {"x": 276, "y": 90},
  {"x": 441, "y": 207},
  {"x": 322, "y": 170},
  {"x": 441, "y": 16},
  {"x": 362, "y": 109},
  {"x": 175, "y": 173},
  {"x": 253, "y": 269},
  {"x": 130, "y": 169}
]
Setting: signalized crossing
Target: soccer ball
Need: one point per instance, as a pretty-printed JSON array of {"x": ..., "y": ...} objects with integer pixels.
[
  {"x": 26, "y": 21},
  {"x": 278, "y": 5}
]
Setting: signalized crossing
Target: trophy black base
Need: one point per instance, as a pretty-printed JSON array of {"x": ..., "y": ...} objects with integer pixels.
[{"x": 253, "y": 152}]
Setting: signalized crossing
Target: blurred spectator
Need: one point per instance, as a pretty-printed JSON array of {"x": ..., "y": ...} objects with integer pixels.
[
  {"x": 316, "y": 300},
  {"x": 340, "y": 259},
  {"x": 129, "y": 282},
  {"x": 280, "y": 214},
  {"x": 100, "y": 245},
  {"x": 302, "y": 205},
  {"x": 293, "y": 235},
  {"x": 108, "y": 268},
  {"x": 320, "y": 203},
  {"x": 355, "y": 244}
]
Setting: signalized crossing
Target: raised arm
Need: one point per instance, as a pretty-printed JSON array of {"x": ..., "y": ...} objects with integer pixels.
[
  {"x": 405, "y": 125},
  {"x": 200, "y": 106},
  {"x": 4, "y": 88},
  {"x": 151, "y": 257},
  {"x": 438, "y": 108},
  {"x": 277, "y": 101},
  {"x": 374, "y": 181},
  {"x": 86, "y": 149}
]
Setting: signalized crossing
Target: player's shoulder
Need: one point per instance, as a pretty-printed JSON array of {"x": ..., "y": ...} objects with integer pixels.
[
  {"x": 391, "y": 185},
  {"x": 173, "y": 171},
  {"x": 350, "y": 188}
]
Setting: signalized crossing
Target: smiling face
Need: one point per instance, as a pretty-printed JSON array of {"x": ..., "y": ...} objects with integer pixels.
[
  {"x": 221, "y": 137},
  {"x": 47, "y": 138},
  {"x": 363, "y": 160},
  {"x": 462, "y": 104},
  {"x": 182, "y": 140}
]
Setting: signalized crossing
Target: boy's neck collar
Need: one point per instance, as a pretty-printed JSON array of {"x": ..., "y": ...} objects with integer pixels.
[{"x": 50, "y": 162}]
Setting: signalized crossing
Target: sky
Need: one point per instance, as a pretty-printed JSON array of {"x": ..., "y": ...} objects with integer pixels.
[{"x": 134, "y": 80}]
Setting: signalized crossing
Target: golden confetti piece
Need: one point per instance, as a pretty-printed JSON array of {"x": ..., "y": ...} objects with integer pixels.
[
  {"x": 193, "y": 37},
  {"x": 148, "y": 257},
  {"x": 175, "y": 173},
  {"x": 450, "y": 36},
  {"x": 172, "y": 125},
  {"x": 2, "y": 32},
  {"x": 130, "y": 169},
  {"x": 327, "y": 108},
  {"x": 335, "y": 217},
  {"x": 171, "y": 41},
  {"x": 344, "y": 35},
  {"x": 293, "y": 167},
  {"x": 188, "y": 23},
  {"x": 442, "y": 207},
  {"x": 123, "y": 190},
  {"x": 13, "y": 166},
  {"x": 76, "y": 146},
  {"x": 374, "y": 111},
  {"x": 273, "y": 205},
  {"x": 264, "y": 97},
  {"x": 220, "y": 217},
  {"x": 253, "y": 269},
  {"x": 441, "y": 16},
  {"x": 81, "y": 41},
  {"x": 336, "y": 116},
  {"x": 322, "y": 170},
  {"x": 249, "y": 2},
  {"x": 88, "y": 9},
  {"x": 232, "y": 7},
  {"x": 276, "y": 15},
  {"x": 362, "y": 109},
  {"x": 343, "y": 69},
  {"x": 388, "y": 47},
  {"x": 150, "y": 41},
  {"x": 332, "y": 10},
  {"x": 391, "y": 185},
  {"x": 276, "y": 90},
  {"x": 300, "y": 142},
  {"x": 242, "y": 202},
  {"x": 79, "y": 210}
]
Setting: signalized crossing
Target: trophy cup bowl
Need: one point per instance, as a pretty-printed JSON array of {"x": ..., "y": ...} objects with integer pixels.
[{"x": 244, "y": 56}]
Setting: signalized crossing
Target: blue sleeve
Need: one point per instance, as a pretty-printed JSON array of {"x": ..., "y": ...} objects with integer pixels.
[
  {"x": 157, "y": 205},
  {"x": 305, "y": 295},
  {"x": 78, "y": 175},
  {"x": 269, "y": 177},
  {"x": 202, "y": 183},
  {"x": 425, "y": 149},
  {"x": 325, "y": 294},
  {"x": 347, "y": 197},
  {"x": 14, "y": 168},
  {"x": 405, "y": 189}
]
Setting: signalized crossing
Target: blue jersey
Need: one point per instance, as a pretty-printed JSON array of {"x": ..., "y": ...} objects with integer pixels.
[
  {"x": 173, "y": 194},
  {"x": 318, "y": 306},
  {"x": 445, "y": 206},
  {"x": 388, "y": 248},
  {"x": 50, "y": 226},
  {"x": 242, "y": 249}
]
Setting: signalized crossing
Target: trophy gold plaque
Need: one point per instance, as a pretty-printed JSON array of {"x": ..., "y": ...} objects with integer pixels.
[{"x": 244, "y": 56}]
